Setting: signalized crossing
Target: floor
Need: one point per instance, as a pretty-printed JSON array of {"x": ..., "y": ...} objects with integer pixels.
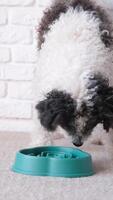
[{"x": 22, "y": 187}]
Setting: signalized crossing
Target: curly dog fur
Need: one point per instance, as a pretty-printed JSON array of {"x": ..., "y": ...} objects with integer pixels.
[{"x": 74, "y": 78}]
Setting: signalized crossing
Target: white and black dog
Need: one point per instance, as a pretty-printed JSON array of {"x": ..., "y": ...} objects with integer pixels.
[{"x": 74, "y": 77}]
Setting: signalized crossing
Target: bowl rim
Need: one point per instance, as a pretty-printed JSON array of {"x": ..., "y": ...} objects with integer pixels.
[{"x": 86, "y": 155}]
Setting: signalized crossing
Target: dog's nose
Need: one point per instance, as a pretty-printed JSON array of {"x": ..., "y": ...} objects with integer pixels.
[
  {"x": 78, "y": 141},
  {"x": 78, "y": 144}
]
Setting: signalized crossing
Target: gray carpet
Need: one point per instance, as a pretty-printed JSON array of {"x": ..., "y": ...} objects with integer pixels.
[{"x": 22, "y": 187}]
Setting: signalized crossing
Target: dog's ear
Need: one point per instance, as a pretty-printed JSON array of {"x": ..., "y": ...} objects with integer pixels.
[
  {"x": 56, "y": 109},
  {"x": 101, "y": 101},
  {"x": 47, "y": 115},
  {"x": 97, "y": 105},
  {"x": 107, "y": 111}
]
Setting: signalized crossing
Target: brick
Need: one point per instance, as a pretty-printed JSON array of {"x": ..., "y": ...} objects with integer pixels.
[
  {"x": 22, "y": 54},
  {"x": 3, "y": 16},
  {"x": 5, "y": 55},
  {"x": 18, "y": 126},
  {"x": 18, "y": 72},
  {"x": 16, "y": 2},
  {"x": 2, "y": 89},
  {"x": 15, "y": 109},
  {"x": 1, "y": 72},
  {"x": 15, "y": 34},
  {"x": 20, "y": 90},
  {"x": 44, "y": 3},
  {"x": 25, "y": 16}
]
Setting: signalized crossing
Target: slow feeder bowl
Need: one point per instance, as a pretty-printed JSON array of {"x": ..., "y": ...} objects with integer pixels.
[{"x": 53, "y": 161}]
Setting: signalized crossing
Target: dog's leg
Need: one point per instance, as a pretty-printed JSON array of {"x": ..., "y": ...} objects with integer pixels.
[
  {"x": 97, "y": 136},
  {"x": 39, "y": 136},
  {"x": 102, "y": 138},
  {"x": 108, "y": 143}
]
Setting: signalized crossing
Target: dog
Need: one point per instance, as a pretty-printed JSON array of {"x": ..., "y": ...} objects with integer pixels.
[{"x": 73, "y": 81}]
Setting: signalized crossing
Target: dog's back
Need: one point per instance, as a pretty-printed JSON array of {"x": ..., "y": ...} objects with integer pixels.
[{"x": 73, "y": 39}]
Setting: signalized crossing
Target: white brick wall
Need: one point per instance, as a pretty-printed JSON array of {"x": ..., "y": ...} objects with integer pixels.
[{"x": 18, "y": 58}]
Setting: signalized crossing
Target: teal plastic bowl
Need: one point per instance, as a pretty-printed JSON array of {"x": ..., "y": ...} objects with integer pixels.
[{"x": 53, "y": 161}]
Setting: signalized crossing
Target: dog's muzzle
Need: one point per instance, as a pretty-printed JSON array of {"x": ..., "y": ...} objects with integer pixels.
[{"x": 78, "y": 141}]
